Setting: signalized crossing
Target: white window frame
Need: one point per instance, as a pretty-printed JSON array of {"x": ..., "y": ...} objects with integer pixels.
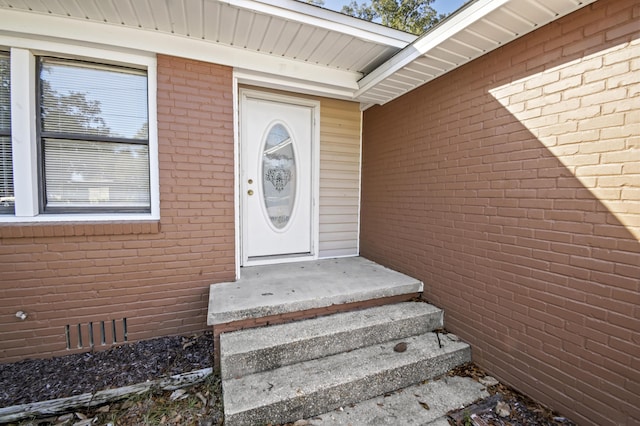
[{"x": 24, "y": 127}]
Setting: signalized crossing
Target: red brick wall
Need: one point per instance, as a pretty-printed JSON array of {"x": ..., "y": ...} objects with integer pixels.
[
  {"x": 155, "y": 274},
  {"x": 511, "y": 187}
]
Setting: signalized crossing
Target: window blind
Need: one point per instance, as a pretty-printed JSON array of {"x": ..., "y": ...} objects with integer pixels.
[
  {"x": 86, "y": 174},
  {"x": 89, "y": 99},
  {"x": 7, "y": 198},
  {"x": 94, "y": 137}
]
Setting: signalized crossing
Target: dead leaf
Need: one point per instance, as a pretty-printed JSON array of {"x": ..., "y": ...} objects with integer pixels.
[
  {"x": 177, "y": 394},
  {"x": 424, "y": 405},
  {"x": 488, "y": 381},
  {"x": 503, "y": 409},
  {"x": 201, "y": 398},
  {"x": 127, "y": 404},
  {"x": 65, "y": 418}
]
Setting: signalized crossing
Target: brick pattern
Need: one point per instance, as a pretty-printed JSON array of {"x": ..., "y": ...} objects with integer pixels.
[
  {"x": 511, "y": 187},
  {"x": 157, "y": 275}
]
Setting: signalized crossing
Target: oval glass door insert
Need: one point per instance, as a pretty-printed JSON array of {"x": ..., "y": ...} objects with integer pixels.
[{"x": 278, "y": 176}]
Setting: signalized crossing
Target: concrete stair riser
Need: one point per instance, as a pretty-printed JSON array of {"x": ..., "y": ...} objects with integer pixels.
[
  {"x": 255, "y": 350},
  {"x": 313, "y": 387}
]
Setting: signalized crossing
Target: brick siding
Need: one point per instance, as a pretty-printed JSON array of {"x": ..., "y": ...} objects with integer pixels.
[
  {"x": 156, "y": 274},
  {"x": 511, "y": 187}
]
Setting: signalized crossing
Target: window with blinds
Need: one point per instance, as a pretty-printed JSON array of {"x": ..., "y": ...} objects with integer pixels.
[
  {"x": 7, "y": 196},
  {"x": 94, "y": 137}
]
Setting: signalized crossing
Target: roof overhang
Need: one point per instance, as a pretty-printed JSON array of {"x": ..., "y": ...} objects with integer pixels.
[
  {"x": 474, "y": 30},
  {"x": 285, "y": 44},
  {"x": 294, "y": 45}
]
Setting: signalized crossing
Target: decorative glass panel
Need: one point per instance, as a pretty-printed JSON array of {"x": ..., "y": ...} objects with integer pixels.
[
  {"x": 86, "y": 174},
  {"x": 7, "y": 196},
  {"x": 279, "y": 176}
]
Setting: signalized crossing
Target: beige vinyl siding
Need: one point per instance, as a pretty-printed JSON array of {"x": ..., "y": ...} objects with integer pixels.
[{"x": 339, "y": 177}]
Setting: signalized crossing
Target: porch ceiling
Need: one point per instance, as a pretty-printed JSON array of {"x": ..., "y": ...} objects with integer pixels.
[
  {"x": 291, "y": 45},
  {"x": 300, "y": 36}
]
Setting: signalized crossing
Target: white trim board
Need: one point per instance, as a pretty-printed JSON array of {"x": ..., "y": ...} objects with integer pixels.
[{"x": 23, "y": 127}]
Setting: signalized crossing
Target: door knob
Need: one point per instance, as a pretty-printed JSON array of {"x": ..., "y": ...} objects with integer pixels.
[{"x": 250, "y": 192}]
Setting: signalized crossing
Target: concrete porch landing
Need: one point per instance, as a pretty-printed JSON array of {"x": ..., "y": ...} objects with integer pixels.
[{"x": 264, "y": 291}]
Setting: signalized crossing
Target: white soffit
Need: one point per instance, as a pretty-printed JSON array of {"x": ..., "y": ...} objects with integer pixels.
[
  {"x": 476, "y": 29},
  {"x": 284, "y": 38},
  {"x": 288, "y": 44}
]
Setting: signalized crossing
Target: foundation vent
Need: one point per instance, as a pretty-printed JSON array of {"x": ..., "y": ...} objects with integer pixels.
[{"x": 98, "y": 333}]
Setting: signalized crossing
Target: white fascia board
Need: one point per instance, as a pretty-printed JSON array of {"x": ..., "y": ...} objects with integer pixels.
[
  {"x": 463, "y": 18},
  {"x": 26, "y": 25},
  {"x": 333, "y": 21},
  {"x": 432, "y": 38},
  {"x": 273, "y": 81}
]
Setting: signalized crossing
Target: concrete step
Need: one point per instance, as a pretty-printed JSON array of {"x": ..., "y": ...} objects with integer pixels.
[
  {"x": 422, "y": 404},
  {"x": 261, "y": 349},
  {"x": 317, "y": 386},
  {"x": 284, "y": 288}
]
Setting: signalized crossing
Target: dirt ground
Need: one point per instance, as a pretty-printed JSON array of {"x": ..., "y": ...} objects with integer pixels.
[
  {"x": 201, "y": 404},
  {"x": 505, "y": 406},
  {"x": 44, "y": 379}
]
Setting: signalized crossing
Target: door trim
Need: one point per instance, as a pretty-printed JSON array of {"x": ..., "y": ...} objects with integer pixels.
[{"x": 243, "y": 260}]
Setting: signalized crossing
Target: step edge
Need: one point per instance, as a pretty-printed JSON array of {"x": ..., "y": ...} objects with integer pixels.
[
  {"x": 217, "y": 317},
  {"x": 449, "y": 359},
  {"x": 451, "y": 348},
  {"x": 228, "y": 338},
  {"x": 354, "y": 339}
]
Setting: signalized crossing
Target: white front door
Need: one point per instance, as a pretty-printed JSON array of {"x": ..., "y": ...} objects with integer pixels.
[{"x": 277, "y": 190}]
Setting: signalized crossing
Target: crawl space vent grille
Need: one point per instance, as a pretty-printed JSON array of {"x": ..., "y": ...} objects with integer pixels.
[{"x": 96, "y": 333}]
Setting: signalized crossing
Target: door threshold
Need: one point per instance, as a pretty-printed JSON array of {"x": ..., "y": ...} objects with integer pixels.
[{"x": 283, "y": 258}]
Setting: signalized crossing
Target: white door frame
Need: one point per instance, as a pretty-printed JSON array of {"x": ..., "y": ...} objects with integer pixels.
[{"x": 241, "y": 258}]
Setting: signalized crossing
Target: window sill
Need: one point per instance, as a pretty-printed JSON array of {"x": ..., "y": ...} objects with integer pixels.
[{"x": 81, "y": 225}]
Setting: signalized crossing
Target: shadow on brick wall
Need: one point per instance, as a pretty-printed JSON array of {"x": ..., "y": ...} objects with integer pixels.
[{"x": 511, "y": 188}]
